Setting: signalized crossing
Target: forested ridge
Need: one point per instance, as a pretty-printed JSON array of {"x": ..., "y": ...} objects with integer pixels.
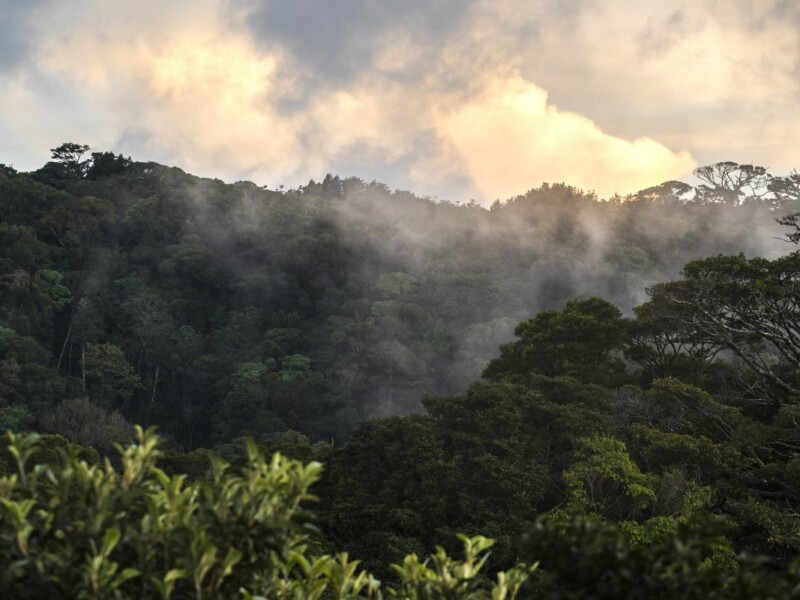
[{"x": 606, "y": 386}]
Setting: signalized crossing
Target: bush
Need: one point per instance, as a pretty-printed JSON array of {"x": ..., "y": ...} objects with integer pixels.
[
  {"x": 83, "y": 422},
  {"x": 72, "y": 530}
]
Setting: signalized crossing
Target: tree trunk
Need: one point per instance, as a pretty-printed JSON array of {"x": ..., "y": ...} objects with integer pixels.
[
  {"x": 153, "y": 397},
  {"x": 63, "y": 348},
  {"x": 83, "y": 364}
]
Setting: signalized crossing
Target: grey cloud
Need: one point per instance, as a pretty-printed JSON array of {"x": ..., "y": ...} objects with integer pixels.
[
  {"x": 454, "y": 184},
  {"x": 17, "y": 31},
  {"x": 785, "y": 11},
  {"x": 337, "y": 39},
  {"x": 569, "y": 10},
  {"x": 135, "y": 141},
  {"x": 789, "y": 11},
  {"x": 660, "y": 36}
]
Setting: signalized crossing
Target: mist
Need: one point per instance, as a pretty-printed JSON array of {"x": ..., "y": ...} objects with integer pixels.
[
  {"x": 244, "y": 310},
  {"x": 479, "y": 272},
  {"x": 401, "y": 295}
]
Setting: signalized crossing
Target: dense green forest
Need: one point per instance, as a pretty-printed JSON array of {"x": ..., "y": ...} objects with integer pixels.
[{"x": 608, "y": 388}]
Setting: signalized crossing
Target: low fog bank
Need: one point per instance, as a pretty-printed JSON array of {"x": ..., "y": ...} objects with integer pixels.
[{"x": 476, "y": 272}]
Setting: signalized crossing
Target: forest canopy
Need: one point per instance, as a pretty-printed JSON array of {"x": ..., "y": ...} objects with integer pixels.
[{"x": 591, "y": 383}]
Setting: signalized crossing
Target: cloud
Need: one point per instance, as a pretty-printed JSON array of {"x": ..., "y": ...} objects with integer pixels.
[
  {"x": 457, "y": 99},
  {"x": 340, "y": 41},
  {"x": 17, "y": 29},
  {"x": 709, "y": 76},
  {"x": 510, "y": 137}
]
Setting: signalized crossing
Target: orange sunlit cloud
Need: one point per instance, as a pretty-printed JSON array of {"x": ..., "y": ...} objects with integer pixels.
[{"x": 510, "y": 137}]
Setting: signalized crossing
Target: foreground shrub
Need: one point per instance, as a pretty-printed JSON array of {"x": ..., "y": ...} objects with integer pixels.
[{"x": 69, "y": 529}]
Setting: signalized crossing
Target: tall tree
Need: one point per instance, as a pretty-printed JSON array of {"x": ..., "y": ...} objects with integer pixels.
[
  {"x": 749, "y": 306},
  {"x": 70, "y": 157},
  {"x": 581, "y": 341},
  {"x": 730, "y": 182}
]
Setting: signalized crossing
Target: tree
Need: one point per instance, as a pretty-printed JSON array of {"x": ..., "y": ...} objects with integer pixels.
[
  {"x": 153, "y": 328},
  {"x": 109, "y": 376},
  {"x": 663, "y": 350},
  {"x": 32, "y": 301},
  {"x": 85, "y": 326},
  {"x": 488, "y": 460},
  {"x": 104, "y": 164},
  {"x": 729, "y": 182},
  {"x": 669, "y": 192},
  {"x": 83, "y": 422},
  {"x": 786, "y": 189},
  {"x": 23, "y": 200},
  {"x": 579, "y": 342},
  {"x": 21, "y": 249},
  {"x": 15, "y": 417},
  {"x": 247, "y": 409},
  {"x": 146, "y": 220},
  {"x": 586, "y": 559},
  {"x": 69, "y": 156},
  {"x": 77, "y": 220},
  {"x": 604, "y": 481},
  {"x": 792, "y": 221},
  {"x": 750, "y": 307}
]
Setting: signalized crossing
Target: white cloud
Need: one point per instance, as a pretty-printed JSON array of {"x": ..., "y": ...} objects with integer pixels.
[
  {"x": 633, "y": 88},
  {"x": 718, "y": 78}
]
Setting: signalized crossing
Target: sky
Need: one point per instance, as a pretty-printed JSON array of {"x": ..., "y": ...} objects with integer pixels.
[{"x": 456, "y": 99}]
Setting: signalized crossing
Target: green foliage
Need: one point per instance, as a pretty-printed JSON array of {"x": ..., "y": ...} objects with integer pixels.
[
  {"x": 386, "y": 296},
  {"x": 79, "y": 531},
  {"x": 136, "y": 293},
  {"x": 281, "y": 341},
  {"x": 69, "y": 156},
  {"x": 20, "y": 249},
  {"x": 605, "y": 481},
  {"x": 190, "y": 258},
  {"x": 33, "y": 300},
  {"x": 110, "y": 377},
  {"x": 397, "y": 286},
  {"x": 84, "y": 422},
  {"x": 48, "y": 450},
  {"x": 105, "y": 164},
  {"x": 488, "y": 461},
  {"x": 74, "y": 530},
  {"x": 76, "y": 221},
  {"x": 16, "y": 418},
  {"x": 747, "y": 306},
  {"x": 20, "y": 348},
  {"x": 449, "y": 578},
  {"x": 145, "y": 220},
  {"x": 194, "y": 465},
  {"x": 591, "y": 560},
  {"x": 703, "y": 460},
  {"x": 579, "y": 342}
]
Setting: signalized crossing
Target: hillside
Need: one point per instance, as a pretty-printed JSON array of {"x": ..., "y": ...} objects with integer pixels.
[
  {"x": 220, "y": 310},
  {"x": 648, "y": 432}
]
